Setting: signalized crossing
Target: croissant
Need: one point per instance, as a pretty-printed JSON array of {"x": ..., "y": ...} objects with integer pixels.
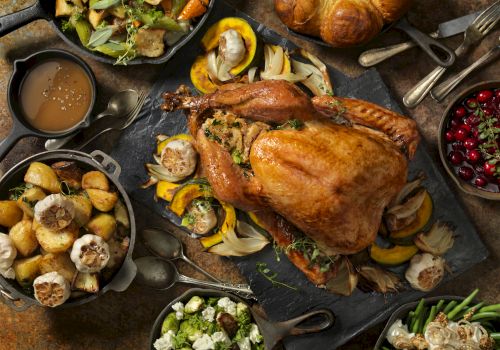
[{"x": 340, "y": 23}]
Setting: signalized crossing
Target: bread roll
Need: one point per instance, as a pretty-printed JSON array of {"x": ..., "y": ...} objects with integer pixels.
[{"x": 340, "y": 23}]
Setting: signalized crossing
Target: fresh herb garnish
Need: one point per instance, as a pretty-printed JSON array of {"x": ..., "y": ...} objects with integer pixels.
[
  {"x": 66, "y": 189},
  {"x": 489, "y": 131},
  {"x": 271, "y": 276},
  {"x": 237, "y": 157},
  {"x": 311, "y": 252},
  {"x": 100, "y": 36},
  {"x": 16, "y": 192},
  {"x": 211, "y": 136},
  {"x": 31, "y": 204},
  {"x": 104, "y": 4},
  {"x": 188, "y": 220},
  {"x": 292, "y": 123},
  {"x": 339, "y": 106}
]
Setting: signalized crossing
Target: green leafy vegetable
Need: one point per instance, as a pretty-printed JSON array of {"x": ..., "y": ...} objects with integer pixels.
[
  {"x": 100, "y": 36},
  {"x": 271, "y": 276}
]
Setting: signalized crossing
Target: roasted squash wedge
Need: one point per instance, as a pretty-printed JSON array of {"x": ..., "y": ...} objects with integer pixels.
[
  {"x": 405, "y": 236},
  {"x": 396, "y": 255},
  {"x": 228, "y": 223},
  {"x": 186, "y": 193},
  {"x": 161, "y": 145},
  {"x": 165, "y": 190},
  {"x": 199, "y": 76},
  {"x": 210, "y": 40}
]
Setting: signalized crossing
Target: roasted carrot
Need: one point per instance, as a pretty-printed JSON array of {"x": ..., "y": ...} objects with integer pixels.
[{"x": 193, "y": 8}]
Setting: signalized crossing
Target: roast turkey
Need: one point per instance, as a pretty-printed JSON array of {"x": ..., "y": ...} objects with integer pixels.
[{"x": 324, "y": 166}]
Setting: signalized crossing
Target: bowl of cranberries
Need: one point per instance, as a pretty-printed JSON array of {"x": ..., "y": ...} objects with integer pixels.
[{"x": 469, "y": 143}]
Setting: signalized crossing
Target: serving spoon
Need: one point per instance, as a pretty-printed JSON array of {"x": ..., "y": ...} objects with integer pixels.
[
  {"x": 166, "y": 246},
  {"x": 162, "y": 274},
  {"x": 119, "y": 105}
]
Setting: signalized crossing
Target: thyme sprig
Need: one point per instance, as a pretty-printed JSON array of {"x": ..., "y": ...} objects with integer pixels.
[
  {"x": 311, "y": 252},
  {"x": 271, "y": 276},
  {"x": 489, "y": 132}
]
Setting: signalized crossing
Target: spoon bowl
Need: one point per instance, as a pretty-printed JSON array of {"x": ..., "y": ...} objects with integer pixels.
[{"x": 165, "y": 245}]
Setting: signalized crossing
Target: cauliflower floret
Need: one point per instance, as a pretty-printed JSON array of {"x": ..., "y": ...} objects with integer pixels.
[
  {"x": 166, "y": 342},
  {"x": 254, "y": 334},
  {"x": 179, "y": 310},
  {"x": 244, "y": 344},
  {"x": 208, "y": 314},
  {"x": 204, "y": 343},
  {"x": 221, "y": 337},
  {"x": 227, "y": 305}
]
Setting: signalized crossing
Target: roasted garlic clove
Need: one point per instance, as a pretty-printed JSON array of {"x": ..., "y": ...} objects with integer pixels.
[
  {"x": 51, "y": 289},
  {"x": 200, "y": 217},
  {"x": 437, "y": 241},
  {"x": 90, "y": 253},
  {"x": 425, "y": 271},
  {"x": 374, "y": 278},
  {"x": 8, "y": 253},
  {"x": 55, "y": 212}
]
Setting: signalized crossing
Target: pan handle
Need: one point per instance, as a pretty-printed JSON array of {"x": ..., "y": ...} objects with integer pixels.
[
  {"x": 427, "y": 43},
  {"x": 15, "y": 304},
  {"x": 108, "y": 163},
  {"x": 124, "y": 277},
  {"x": 16, "y": 133},
  {"x": 291, "y": 327},
  {"x": 13, "y": 21}
]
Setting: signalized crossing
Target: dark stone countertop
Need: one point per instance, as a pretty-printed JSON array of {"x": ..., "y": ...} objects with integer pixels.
[{"x": 123, "y": 320}]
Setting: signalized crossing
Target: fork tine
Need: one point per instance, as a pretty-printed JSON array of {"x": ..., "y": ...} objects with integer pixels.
[
  {"x": 490, "y": 27},
  {"x": 486, "y": 15}
]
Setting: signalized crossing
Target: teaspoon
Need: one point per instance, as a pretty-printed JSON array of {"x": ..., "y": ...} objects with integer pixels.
[
  {"x": 166, "y": 246},
  {"x": 119, "y": 105},
  {"x": 162, "y": 274}
]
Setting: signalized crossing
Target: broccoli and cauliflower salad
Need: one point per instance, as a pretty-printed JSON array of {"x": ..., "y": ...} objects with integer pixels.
[{"x": 209, "y": 324}]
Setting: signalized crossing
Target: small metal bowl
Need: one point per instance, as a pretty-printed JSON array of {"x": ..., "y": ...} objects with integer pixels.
[
  {"x": 463, "y": 185},
  {"x": 402, "y": 311}
]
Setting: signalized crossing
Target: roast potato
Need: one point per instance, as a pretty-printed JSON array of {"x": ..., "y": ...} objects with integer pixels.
[
  {"x": 96, "y": 180},
  {"x": 69, "y": 172},
  {"x": 87, "y": 282},
  {"x": 29, "y": 198},
  {"x": 103, "y": 225},
  {"x": 117, "y": 251},
  {"x": 121, "y": 214},
  {"x": 27, "y": 270},
  {"x": 10, "y": 213},
  {"x": 102, "y": 200},
  {"x": 23, "y": 237},
  {"x": 57, "y": 241},
  {"x": 83, "y": 208},
  {"x": 43, "y": 176},
  {"x": 60, "y": 263}
]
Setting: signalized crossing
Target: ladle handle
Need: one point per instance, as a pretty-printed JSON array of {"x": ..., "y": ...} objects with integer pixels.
[
  {"x": 13, "y": 21},
  {"x": 199, "y": 269},
  {"x": 240, "y": 289}
]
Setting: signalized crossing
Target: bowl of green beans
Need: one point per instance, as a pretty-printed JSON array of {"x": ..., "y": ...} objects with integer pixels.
[{"x": 448, "y": 322}]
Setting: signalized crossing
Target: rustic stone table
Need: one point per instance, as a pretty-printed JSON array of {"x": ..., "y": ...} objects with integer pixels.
[{"x": 123, "y": 320}]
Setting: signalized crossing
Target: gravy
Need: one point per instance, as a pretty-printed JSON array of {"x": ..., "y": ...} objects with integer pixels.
[{"x": 55, "y": 95}]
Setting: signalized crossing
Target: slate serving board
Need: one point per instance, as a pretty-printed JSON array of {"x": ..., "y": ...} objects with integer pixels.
[{"x": 355, "y": 313}]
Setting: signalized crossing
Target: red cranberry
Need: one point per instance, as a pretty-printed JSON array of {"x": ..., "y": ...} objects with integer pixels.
[
  {"x": 465, "y": 127},
  {"x": 472, "y": 120},
  {"x": 471, "y": 103},
  {"x": 459, "y": 112},
  {"x": 454, "y": 124},
  {"x": 473, "y": 156},
  {"x": 480, "y": 181},
  {"x": 458, "y": 146},
  {"x": 470, "y": 143},
  {"x": 488, "y": 111},
  {"x": 475, "y": 133},
  {"x": 489, "y": 169},
  {"x": 456, "y": 157},
  {"x": 461, "y": 134},
  {"x": 466, "y": 173},
  {"x": 484, "y": 96},
  {"x": 497, "y": 93},
  {"x": 449, "y": 137}
]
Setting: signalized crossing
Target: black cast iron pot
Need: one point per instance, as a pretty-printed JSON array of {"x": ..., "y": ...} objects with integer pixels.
[{"x": 10, "y": 292}]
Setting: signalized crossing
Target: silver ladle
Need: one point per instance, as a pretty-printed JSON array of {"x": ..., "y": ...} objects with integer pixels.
[
  {"x": 166, "y": 246},
  {"x": 119, "y": 105},
  {"x": 162, "y": 274}
]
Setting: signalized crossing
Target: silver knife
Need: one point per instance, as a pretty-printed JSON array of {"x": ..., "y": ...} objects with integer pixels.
[{"x": 446, "y": 29}]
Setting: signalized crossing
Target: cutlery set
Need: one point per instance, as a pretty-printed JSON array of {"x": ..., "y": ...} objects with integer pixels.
[{"x": 475, "y": 27}]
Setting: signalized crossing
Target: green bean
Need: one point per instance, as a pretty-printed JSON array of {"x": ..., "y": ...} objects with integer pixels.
[
  {"x": 432, "y": 316},
  {"x": 450, "y": 306},
  {"x": 417, "y": 327},
  {"x": 419, "y": 307},
  {"x": 409, "y": 318},
  {"x": 177, "y": 6},
  {"x": 485, "y": 314},
  {"x": 495, "y": 336},
  {"x": 440, "y": 305},
  {"x": 451, "y": 314},
  {"x": 487, "y": 308},
  {"x": 464, "y": 312}
]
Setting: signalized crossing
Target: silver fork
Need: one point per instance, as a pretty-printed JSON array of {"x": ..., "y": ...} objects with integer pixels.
[
  {"x": 443, "y": 89},
  {"x": 130, "y": 119},
  {"x": 481, "y": 26}
]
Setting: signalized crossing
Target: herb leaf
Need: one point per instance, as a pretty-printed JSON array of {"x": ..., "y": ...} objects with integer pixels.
[
  {"x": 271, "y": 276},
  {"x": 100, "y": 36},
  {"x": 104, "y": 4}
]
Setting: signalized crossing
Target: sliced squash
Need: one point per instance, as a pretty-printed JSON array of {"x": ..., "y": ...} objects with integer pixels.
[
  {"x": 255, "y": 219},
  {"x": 165, "y": 190},
  {"x": 405, "y": 236},
  {"x": 199, "y": 76},
  {"x": 162, "y": 144},
  {"x": 228, "y": 224},
  {"x": 187, "y": 192},
  {"x": 396, "y": 255},
  {"x": 210, "y": 40}
]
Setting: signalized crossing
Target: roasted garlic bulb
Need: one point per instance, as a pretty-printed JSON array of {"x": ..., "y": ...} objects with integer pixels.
[
  {"x": 55, "y": 212},
  {"x": 51, "y": 289},
  {"x": 8, "y": 253},
  {"x": 90, "y": 253},
  {"x": 425, "y": 271}
]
